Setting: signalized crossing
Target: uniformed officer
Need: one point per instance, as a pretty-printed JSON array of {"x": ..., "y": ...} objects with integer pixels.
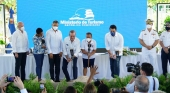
[
  {"x": 149, "y": 39},
  {"x": 165, "y": 44}
]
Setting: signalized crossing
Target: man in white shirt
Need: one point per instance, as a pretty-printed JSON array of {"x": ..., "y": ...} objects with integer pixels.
[
  {"x": 146, "y": 70},
  {"x": 165, "y": 44},
  {"x": 88, "y": 47},
  {"x": 114, "y": 45},
  {"x": 54, "y": 46},
  {"x": 71, "y": 49},
  {"x": 20, "y": 49},
  {"x": 149, "y": 39},
  {"x": 141, "y": 84}
]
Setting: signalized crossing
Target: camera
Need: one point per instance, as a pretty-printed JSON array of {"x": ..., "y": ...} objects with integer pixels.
[
  {"x": 10, "y": 79},
  {"x": 41, "y": 86},
  {"x": 133, "y": 68},
  {"x": 117, "y": 90},
  {"x": 97, "y": 82}
]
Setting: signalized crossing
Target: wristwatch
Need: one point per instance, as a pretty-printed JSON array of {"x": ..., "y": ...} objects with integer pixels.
[
  {"x": 168, "y": 47},
  {"x": 152, "y": 46},
  {"x": 134, "y": 76}
]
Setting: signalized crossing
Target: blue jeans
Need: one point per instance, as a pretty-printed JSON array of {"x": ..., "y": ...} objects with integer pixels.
[
  {"x": 39, "y": 63},
  {"x": 64, "y": 68},
  {"x": 115, "y": 66}
]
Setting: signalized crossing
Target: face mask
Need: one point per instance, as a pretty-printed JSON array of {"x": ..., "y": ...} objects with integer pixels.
[
  {"x": 88, "y": 39},
  {"x": 55, "y": 27},
  {"x": 112, "y": 33},
  {"x": 22, "y": 28},
  {"x": 148, "y": 26},
  {"x": 167, "y": 28}
]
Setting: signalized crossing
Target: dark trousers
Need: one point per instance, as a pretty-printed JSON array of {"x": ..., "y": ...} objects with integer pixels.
[
  {"x": 39, "y": 63},
  {"x": 115, "y": 66},
  {"x": 20, "y": 62},
  {"x": 64, "y": 68},
  {"x": 164, "y": 57},
  {"x": 55, "y": 61}
]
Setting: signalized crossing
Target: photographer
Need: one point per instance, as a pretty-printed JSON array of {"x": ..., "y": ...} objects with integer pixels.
[
  {"x": 146, "y": 70},
  {"x": 17, "y": 82}
]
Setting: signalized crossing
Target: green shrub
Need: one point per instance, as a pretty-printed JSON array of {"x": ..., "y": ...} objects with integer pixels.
[
  {"x": 32, "y": 86},
  {"x": 12, "y": 89},
  {"x": 79, "y": 86},
  {"x": 49, "y": 85},
  {"x": 61, "y": 86},
  {"x": 167, "y": 19}
]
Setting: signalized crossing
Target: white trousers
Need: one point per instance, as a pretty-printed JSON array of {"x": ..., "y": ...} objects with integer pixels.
[{"x": 150, "y": 58}]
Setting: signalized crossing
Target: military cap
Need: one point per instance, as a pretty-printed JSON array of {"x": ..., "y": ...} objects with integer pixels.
[{"x": 149, "y": 21}]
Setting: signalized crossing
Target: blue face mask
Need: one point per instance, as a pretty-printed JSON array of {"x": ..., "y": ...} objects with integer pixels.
[{"x": 112, "y": 33}]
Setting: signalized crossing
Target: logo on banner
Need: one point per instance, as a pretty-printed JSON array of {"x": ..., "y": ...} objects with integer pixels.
[{"x": 82, "y": 17}]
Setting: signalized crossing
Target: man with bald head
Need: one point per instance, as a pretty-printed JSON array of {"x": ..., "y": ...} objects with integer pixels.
[
  {"x": 20, "y": 49},
  {"x": 141, "y": 84},
  {"x": 71, "y": 49}
]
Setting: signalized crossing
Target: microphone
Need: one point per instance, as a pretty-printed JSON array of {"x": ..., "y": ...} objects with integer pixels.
[
  {"x": 117, "y": 53},
  {"x": 72, "y": 53},
  {"x": 89, "y": 45},
  {"x": 43, "y": 41}
]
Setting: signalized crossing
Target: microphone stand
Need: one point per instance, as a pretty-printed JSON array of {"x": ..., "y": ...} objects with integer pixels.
[
  {"x": 89, "y": 45},
  {"x": 72, "y": 54},
  {"x": 117, "y": 54}
]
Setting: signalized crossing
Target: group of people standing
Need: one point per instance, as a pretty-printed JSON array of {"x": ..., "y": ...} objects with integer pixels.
[{"x": 70, "y": 47}]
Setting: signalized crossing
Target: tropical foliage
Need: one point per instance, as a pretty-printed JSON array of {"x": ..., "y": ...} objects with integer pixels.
[
  {"x": 33, "y": 86},
  {"x": 9, "y": 4},
  {"x": 152, "y": 3},
  {"x": 128, "y": 52},
  {"x": 167, "y": 19}
]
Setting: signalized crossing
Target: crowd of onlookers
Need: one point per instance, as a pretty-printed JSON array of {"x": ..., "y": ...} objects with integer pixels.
[{"x": 143, "y": 83}]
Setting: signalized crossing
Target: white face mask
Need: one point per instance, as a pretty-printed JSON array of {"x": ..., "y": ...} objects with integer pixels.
[
  {"x": 22, "y": 28},
  {"x": 88, "y": 39},
  {"x": 55, "y": 27},
  {"x": 148, "y": 26}
]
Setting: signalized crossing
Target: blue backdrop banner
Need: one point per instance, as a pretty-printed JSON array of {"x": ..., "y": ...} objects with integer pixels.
[{"x": 85, "y": 16}]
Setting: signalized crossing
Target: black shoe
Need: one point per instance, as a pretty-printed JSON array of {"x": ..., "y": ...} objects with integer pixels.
[
  {"x": 68, "y": 80},
  {"x": 57, "y": 81}
]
